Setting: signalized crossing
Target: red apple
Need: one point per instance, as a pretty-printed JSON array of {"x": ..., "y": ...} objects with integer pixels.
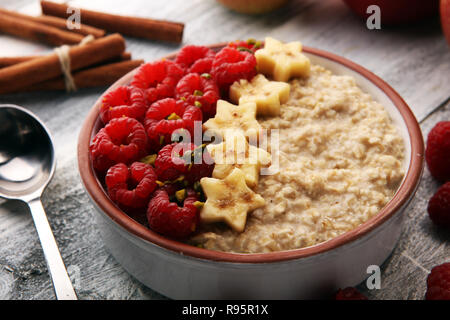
[
  {"x": 253, "y": 6},
  {"x": 445, "y": 18},
  {"x": 394, "y": 12}
]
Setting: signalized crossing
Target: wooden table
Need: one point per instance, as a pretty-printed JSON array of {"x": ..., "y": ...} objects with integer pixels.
[{"x": 415, "y": 60}]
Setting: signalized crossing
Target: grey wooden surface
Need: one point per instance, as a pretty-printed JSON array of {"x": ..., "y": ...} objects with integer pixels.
[{"x": 414, "y": 59}]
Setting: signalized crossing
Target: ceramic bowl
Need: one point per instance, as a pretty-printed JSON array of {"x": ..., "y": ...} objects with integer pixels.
[{"x": 181, "y": 271}]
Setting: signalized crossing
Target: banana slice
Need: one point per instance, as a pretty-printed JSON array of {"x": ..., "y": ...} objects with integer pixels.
[
  {"x": 281, "y": 60},
  {"x": 236, "y": 152},
  {"x": 229, "y": 200},
  {"x": 230, "y": 117},
  {"x": 268, "y": 95}
]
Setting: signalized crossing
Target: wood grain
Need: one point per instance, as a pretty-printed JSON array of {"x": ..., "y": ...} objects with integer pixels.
[{"x": 415, "y": 60}]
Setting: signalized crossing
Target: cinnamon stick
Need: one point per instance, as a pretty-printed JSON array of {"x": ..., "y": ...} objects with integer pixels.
[
  {"x": 9, "y": 61},
  {"x": 31, "y": 30},
  {"x": 57, "y": 23},
  {"x": 48, "y": 67},
  {"x": 94, "y": 77},
  {"x": 131, "y": 26}
]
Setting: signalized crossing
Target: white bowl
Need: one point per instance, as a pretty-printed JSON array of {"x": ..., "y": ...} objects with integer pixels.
[{"x": 181, "y": 271}]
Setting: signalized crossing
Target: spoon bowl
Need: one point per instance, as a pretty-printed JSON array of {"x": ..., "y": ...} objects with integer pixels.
[
  {"x": 27, "y": 164},
  {"x": 27, "y": 157}
]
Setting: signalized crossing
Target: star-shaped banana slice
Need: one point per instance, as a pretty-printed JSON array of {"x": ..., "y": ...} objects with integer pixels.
[
  {"x": 268, "y": 95},
  {"x": 229, "y": 200},
  {"x": 237, "y": 118},
  {"x": 236, "y": 152},
  {"x": 282, "y": 61}
]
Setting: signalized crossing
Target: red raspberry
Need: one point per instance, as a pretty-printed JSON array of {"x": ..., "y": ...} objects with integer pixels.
[
  {"x": 195, "y": 59},
  {"x": 168, "y": 218},
  {"x": 160, "y": 129},
  {"x": 123, "y": 101},
  {"x": 121, "y": 140},
  {"x": 202, "y": 66},
  {"x": 437, "y": 153},
  {"x": 249, "y": 45},
  {"x": 169, "y": 163},
  {"x": 131, "y": 187},
  {"x": 231, "y": 65},
  {"x": 438, "y": 283},
  {"x": 349, "y": 293},
  {"x": 439, "y": 206},
  {"x": 158, "y": 79},
  {"x": 202, "y": 166},
  {"x": 195, "y": 88}
]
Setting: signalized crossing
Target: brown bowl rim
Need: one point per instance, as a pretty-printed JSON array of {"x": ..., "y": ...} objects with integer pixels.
[{"x": 401, "y": 197}]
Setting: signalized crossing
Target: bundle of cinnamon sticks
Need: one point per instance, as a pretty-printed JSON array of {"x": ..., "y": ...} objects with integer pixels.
[{"x": 98, "y": 63}]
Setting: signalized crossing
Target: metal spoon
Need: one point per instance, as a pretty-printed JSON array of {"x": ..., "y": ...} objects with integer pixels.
[{"x": 27, "y": 163}]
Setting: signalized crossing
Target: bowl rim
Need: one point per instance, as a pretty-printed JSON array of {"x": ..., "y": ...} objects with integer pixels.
[{"x": 401, "y": 197}]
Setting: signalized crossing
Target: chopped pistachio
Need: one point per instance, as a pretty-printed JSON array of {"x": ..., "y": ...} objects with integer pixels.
[
  {"x": 150, "y": 159},
  {"x": 199, "y": 204},
  {"x": 197, "y": 186},
  {"x": 244, "y": 49},
  {"x": 198, "y": 93},
  {"x": 173, "y": 116},
  {"x": 159, "y": 183},
  {"x": 180, "y": 178},
  {"x": 198, "y": 104},
  {"x": 181, "y": 195},
  {"x": 206, "y": 75}
]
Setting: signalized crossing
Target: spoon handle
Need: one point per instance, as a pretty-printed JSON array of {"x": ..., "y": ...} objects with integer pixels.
[{"x": 61, "y": 281}]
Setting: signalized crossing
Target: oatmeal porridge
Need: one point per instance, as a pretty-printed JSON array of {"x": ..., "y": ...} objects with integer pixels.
[{"x": 340, "y": 161}]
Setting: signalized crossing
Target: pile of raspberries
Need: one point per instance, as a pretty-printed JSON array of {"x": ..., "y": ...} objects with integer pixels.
[
  {"x": 147, "y": 171},
  {"x": 437, "y": 156}
]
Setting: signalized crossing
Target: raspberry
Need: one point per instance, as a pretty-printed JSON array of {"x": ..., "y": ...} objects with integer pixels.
[
  {"x": 195, "y": 88},
  {"x": 181, "y": 116},
  {"x": 168, "y": 218},
  {"x": 437, "y": 153},
  {"x": 158, "y": 79},
  {"x": 439, "y": 206},
  {"x": 195, "y": 59},
  {"x": 202, "y": 66},
  {"x": 230, "y": 65},
  {"x": 169, "y": 163},
  {"x": 249, "y": 45},
  {"x": 349, "y": 293},
  {"x": 123, "y": 101},
  {"x": 131, "y": 187},
  {"x": 438, "y": 283},
  {"x": 202, "y": 165},
  {"x": 121, "y": 140}
]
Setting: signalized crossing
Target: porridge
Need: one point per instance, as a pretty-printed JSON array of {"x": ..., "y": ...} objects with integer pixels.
[{"x": 340, "y": 161}]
